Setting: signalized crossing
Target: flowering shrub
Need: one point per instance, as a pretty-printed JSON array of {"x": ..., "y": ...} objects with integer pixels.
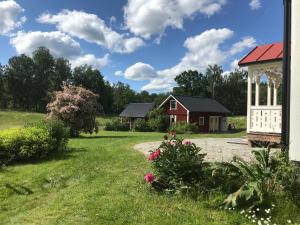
[
  {"x": 77, "y": 108},
  {"x": 140, "y": 125},
  {"x": 178, "y": 165}
]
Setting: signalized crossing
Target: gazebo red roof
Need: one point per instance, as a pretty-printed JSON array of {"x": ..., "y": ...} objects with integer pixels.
[{"x": 263, "y": 53}]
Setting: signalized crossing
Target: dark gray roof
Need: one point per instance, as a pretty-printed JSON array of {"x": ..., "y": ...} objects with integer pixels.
[
  {"x": 137, "y": 110},
  {"x": 201, "y": 104}
]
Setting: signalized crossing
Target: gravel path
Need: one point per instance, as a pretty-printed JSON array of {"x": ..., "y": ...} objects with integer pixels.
[{"x": 217, "y": 149}]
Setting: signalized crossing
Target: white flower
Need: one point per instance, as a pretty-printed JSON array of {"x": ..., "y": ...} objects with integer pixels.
[{"x": 289, "y": 221}]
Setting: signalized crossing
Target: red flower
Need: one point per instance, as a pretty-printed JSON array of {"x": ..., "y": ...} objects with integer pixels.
[
  {"x": 187, "y": 142},
  {"x": 149, "y": 178},
  {"x": 154, "y": 155}
]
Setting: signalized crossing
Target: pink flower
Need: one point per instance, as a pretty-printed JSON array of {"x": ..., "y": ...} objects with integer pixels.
[
  {"x": 186, "y": 142},
  {"x": 149, "y": 178},
  {"x": 154, "y": 155}
]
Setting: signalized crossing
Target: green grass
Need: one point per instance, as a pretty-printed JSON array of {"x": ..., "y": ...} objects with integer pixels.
[{"x": 100, "y": 181}]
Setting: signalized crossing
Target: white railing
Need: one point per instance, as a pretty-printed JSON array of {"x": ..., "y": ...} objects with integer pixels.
[{"x": 266, "y": 119}]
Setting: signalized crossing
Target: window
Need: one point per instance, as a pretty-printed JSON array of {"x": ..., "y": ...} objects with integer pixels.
[
  {"x": 173, "y": 104},
  {"x": 201, "y": 121},
  {"x": 172, "y": 119}
]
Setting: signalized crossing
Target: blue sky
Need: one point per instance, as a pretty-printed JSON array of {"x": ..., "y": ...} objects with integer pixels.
[{"x": 144, "y": 43}]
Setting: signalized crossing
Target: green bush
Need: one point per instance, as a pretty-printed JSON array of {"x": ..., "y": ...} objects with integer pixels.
[
  {"x": 140, "y": 125},
  {"x": 25, "y": 143},
  {"x": 183, "y": 128},
  {"x": 178, "y": 166},
  {"x": 158, "y": 120},
  {"x": 116, "y": 125},
  {"x": 57, "y": 132},
  {"x": 34, "y": 141}
]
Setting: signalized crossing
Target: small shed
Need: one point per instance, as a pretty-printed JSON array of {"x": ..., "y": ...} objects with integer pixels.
[
  {"x": 136, "y": 110},
  {"x": 207, "y": 113}
]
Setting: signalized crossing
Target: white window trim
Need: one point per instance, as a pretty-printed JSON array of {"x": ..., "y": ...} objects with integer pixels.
[
  {"x": 201, "y": 118},
  {"x": 171, "y": 104},
  {"x": 175, "y": 118}
]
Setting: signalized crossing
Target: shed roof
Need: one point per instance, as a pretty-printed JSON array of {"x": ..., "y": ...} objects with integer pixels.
[
  {"x": 263, "y": 53},
  {"x": 200, "y": 104},
  {"x": 137, "y": 110}
]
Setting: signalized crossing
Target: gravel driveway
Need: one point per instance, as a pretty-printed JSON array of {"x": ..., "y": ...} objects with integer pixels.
[{"x": 217, "y": 149}]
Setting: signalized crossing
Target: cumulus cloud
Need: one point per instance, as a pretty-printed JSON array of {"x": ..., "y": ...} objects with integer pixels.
[
  {"x": 202, "y": 50},
  {"x": 255, "y": 4},
  {"x": 140, "y": 71},
  {"x": 93, "y": 29},
  {"x": 146, "y": 18},
  {"x": 119, "y": 73},
  {"x": 59, "y": 44},
  {"x": 90, "y": 59},
  {"x": 10, "y": 16}
]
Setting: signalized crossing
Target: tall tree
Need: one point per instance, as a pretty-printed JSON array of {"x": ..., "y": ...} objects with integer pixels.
[
  {"x": 123, "y": 95},
  {"x": 93, "y": 80},
  {"x": 214, "y": 76},
  {"x": 20, "y": 73},
  {"x": 4, "y": 97},
  {"x": 191, "y": 83},
  {"x": 44, "y": 71},
  {"x": 62, "y": 73}
]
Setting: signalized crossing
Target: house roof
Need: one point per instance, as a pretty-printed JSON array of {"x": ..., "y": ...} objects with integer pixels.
[
  {"x": 200, "y": 104},
  {"x": 137, "y": 110},
  {"x": 263, "y": 53}
]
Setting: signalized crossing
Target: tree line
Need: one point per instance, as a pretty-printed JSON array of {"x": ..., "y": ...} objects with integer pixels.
[{"x": 27, "y": 83}]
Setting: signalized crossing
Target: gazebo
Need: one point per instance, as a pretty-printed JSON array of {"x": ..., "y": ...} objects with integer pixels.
[{"x": 264, "y": 119}]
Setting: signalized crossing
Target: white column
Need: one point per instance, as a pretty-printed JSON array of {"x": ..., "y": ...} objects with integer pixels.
[
  {"x": 249, "y": 100},
  {"x": 257, "y": 83},
  {"x": 275, "y": 93},
  {"x": 270, "y": 82},
  {"x": 294, "y": 150}
]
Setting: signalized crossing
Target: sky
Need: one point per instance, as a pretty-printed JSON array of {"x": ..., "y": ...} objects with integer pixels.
[{"x": 144, "y": 43}]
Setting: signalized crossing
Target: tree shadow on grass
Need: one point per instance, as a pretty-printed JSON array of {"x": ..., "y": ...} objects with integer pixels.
[
  {"x": 102, "y": 137},
  {"x": 62, "y": 155},
  {"x": 18, "y": 189}
]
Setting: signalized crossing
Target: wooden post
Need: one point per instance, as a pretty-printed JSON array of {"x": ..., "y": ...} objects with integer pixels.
[
  {"x": 249, "y": 101},
  {"x": 257, "y": 84},
  {"x": 270, "y": 82}
]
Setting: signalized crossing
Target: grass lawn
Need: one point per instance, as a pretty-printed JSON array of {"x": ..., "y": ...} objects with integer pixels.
[{"x": 100, "y": 182}]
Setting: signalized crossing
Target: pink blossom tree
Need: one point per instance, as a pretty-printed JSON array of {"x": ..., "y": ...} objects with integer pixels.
[{"x": 77, "y": 108}]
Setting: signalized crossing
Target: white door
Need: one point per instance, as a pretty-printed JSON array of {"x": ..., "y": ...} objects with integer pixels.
[{"x": 213, "y": 123}]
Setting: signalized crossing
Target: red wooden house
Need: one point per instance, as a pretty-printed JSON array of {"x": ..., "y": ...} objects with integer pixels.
[{"x": 208, "y": 114}]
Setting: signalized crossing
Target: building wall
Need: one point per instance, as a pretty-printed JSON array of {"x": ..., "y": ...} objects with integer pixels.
[
  {"x": 194, "y": 118},
  {"x": 295, "y": 83},
  {"x": 180, "y": 112}
]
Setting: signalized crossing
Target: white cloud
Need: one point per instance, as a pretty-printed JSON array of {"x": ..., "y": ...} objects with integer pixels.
[
  {"x": 119, "y": 73},
  {"x": 91, "y": 28},
  {"x": 91, "y": 60},
  {"x": 202, "y": 50},
  {"x": 59, "y": 44},
  {"x": 146, "y": 18},
  {"x": 255, "y": 4},
  {"x": 140, "y": 71},
  {"x": 10, "y": 16}
]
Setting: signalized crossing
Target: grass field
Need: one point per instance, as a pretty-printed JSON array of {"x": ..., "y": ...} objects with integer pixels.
[{"x": 99, "y": 181}]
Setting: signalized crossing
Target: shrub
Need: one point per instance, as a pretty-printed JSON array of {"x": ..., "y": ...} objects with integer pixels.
[
  {"x": 140, "y": 125},
  {"x": 261, "y": 180},
  {"x": 183, "y": 128},
  {"x": 77, "y": 108},
  {"x": 25, "y": 143},
  {"x": 56, "y": 130},
  {"x": 34, "y": 141},
  {"x": 158, "y": 120},
  {"x": 116, "y": 125},
  {"x": 178, "y": 166}
]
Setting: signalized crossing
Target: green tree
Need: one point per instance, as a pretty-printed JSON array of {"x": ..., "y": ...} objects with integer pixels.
[
  {"x": 62, "y": 73},
  {"x": 123, "y": 95},
  {"x": 4, "y": 97},
  {"x": 191, "y": 83},
  {"x": 44, "y": 71},
  {"x": 93, "y": 80},
  {"x": 214, "y": 77},
  {"x": 20, "y": 73}
]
